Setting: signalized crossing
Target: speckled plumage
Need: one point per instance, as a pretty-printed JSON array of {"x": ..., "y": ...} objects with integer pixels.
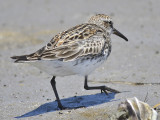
[
  {"x": 86, "y": 42},
  {"x": 78, "y": 50}
]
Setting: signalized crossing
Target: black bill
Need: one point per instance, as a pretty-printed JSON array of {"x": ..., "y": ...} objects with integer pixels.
[{"x": 116, "y": 32}]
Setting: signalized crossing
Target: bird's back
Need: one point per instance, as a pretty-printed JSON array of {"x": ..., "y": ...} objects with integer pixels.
[
  {"x": 79, "y": 41},
  {"x": 80, "y": 49}
]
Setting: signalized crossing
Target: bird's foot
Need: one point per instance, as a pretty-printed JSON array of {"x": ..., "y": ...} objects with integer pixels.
[{"x": 105, "y": 89}]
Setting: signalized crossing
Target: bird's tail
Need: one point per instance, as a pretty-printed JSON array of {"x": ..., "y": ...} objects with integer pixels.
[{"x": 23, "y": 58}]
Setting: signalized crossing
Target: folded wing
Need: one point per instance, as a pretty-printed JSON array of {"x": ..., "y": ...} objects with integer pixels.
[{"x": 81, "y": 40}]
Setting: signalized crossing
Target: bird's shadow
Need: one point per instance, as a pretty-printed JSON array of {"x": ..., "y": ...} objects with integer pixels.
[{"x": 71, "y": 103}]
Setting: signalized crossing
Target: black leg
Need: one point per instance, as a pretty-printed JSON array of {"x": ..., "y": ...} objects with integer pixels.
[
  {"x": 102, "y": 88},
  {"x": 53, "y": 83}
]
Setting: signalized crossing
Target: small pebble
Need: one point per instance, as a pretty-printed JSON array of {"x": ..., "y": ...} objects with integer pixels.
[
  {"x": 142, "y": 26},
  {"x": 60, "y": 113},
  {"x": 21, "y": 81},
  {"x": 137, "y": 47},
  {"x": 133, "y": 74},
  {"x": 112, "y": 14},
  {"x": 61, "y": 21},
  {"x": 157, "y": 52}
]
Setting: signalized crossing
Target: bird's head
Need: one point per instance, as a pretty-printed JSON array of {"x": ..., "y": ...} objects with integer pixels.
[{"x": 106, "y": 23}]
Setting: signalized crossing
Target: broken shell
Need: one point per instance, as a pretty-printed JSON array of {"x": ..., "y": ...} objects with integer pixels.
[
  {"x": 157, "y": 106},
  {"x": 137, "y": 110}
]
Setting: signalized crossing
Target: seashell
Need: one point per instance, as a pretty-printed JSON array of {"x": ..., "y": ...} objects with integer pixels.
[
  {"x": 136, "y": 110},
  {"x": 157, "y": 106}
]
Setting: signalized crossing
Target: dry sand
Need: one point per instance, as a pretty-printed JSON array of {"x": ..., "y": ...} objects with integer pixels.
[{"x": 28, "y": 25}]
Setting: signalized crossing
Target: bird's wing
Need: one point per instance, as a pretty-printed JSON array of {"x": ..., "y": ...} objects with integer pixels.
[{"x": 78, "y": 41}]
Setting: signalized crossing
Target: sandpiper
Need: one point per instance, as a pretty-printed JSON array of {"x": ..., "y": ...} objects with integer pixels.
[{"x": 78, "y": 50}]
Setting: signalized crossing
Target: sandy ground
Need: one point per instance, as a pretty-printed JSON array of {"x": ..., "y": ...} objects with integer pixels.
[{"x": 25, "y": 26}]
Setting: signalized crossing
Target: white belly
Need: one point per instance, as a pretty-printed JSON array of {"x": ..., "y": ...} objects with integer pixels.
[{"x": 60, "y": 68}]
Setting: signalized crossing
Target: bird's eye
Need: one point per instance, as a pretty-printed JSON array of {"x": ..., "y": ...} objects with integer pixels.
[
  {"x": 108, "y": 23},
  {"x": 111, "y": 24}
]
